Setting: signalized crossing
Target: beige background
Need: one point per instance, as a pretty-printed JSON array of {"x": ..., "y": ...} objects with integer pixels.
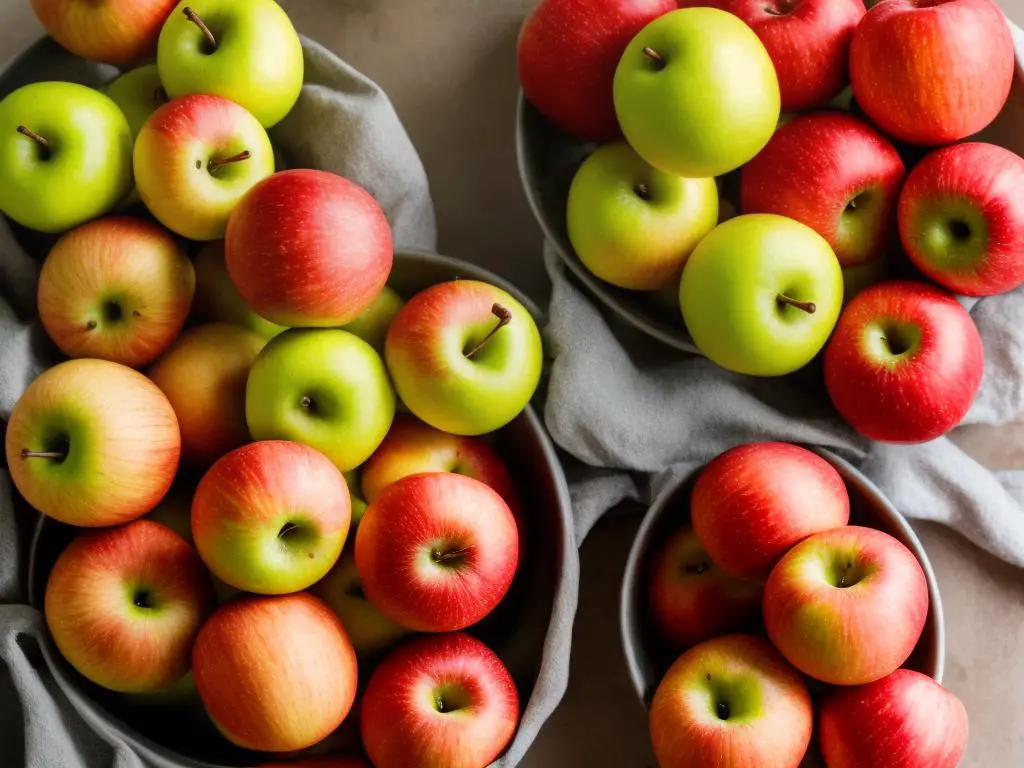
[{"x": 449, "y": 67}]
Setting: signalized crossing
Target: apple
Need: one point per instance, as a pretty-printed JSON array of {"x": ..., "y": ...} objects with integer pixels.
[
  {"x": 905, "y": 362},
  {"x": 271, "y": 517},
  {"x": 293, "y": 235},
  {"x": 696, "y": 93},
  {"x": 92, "y": 443},
  {"x": 932, "y": 71},
  {"x": 65, "y": 155},
  {"x": 906, "y": 720},
  {"x": 632, "y": 225},
  {"x": 961, "y": 218},
  {"x": 139, "y": 93},
  {"x": 123, "y": 605},
  {"x": 117, "y": 289},
  {"x": 217, "y": 299},
  {"x": 175, "y": 511},
  {"x": 761, "y": 294},
  {"x": 828, "y": 596},
  {"x": 835, "y": 174},
  {"x": 276, "y": 674},
  {"x": 113, "y": 31},
  {"x": 204, "y": 376},
  {"x": 372, "y": 324},
  {"x": 243, "y": 50},
  {"x": 195, "y": 158},
  {"x": 464, "y": 356},
  {"x": 343, "y": 405},
  {"x": 357, "y": 501},
  {"x": 444, "y": 700},
  {"x": 437, "y": 551},
  {"x": 733, "y": 696}
]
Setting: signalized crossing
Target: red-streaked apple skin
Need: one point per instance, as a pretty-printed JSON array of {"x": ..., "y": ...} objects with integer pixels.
[
  {"x": 748, "y": 674},
  {"x": 922, "y": 392},
  {"x": 972, "y": 183},
  {"x": 752, "y": 503},
  {"x": 122, "y": 265},
  {"x": 97, "y": 625},
  {"x": 932, "y": 72},
  {"x": 276, "y": 674},
  {"x": 905, "y": 720},
  {"x": 295, "y": 236},
  {"x": 814, "y": 167},
  {"x": 402, "y": 726},
  {"x": 409, "y": 530},
  {"x": 826, "y": 600}
]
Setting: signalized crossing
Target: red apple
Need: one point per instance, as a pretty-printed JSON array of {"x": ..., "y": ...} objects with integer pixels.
[
  {"x": 932, "y": 71},
  {"x": 904, "y": 363},
  {"x": 905, "y": 720},
  {"x": 835, "y": 174},
  {"x": 294, "y": 236},
  {"x": 828, "y": 598},
  {"x": 731, "y": 701},
  {"x": 445, "y": 700},
  {"x": 437, "y": 552},
  {"x": 754, "y": 502},
  {"x": 112, "y": 31}
]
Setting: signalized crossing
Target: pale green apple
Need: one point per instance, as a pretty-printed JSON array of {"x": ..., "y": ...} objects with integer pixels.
[
  {"x": 696, "y": 93},
  {"x": 761, "y": 294},
  {"x": 372, "y": 325},
  {"x": 139, "y": 94},
  {"x": 216, "y": 298}
]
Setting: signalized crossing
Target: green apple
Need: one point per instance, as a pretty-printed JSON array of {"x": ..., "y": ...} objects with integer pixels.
[
  {"x": 632, "y": 225},
  {"x": 358, "y": 503},
  {"x": 696, "y": 93},
  {"x": 139, "y": 94},
  {"x": 372, "y": 325},
  {"x": 860, "y": 276},
  {"x": 244, "y": 50},
  {"x": 326, "y": 388},
  {"x": 65, "y": 155},
  {"x": 216, "y": 298},
  {"x": 761, "y": 294}
]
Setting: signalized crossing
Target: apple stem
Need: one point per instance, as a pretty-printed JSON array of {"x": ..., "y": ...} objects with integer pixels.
[
  {"x": 27, "y": 454},
  {"x": 655, "y": 57},
  {"x": 643, "y": 191},
  {"x": 443, "y": 557},
  {"x": 34, "y": 136},
  {"x": 805, "y": 306},
  {"x": 213, "y": 165},
  {"x": 504, "y": 318},
  {"x": 192, "y": 16}
]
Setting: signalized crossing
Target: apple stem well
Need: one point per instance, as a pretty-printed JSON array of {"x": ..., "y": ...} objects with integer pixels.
[
  {"x": 192, "y": 16},
  {"x": 42, "y": 142},
  {"x": 504, "y": 318},
  {"x": 804, "y": 306},
  {"x": 643, "y": 192},
  {"x": 214, "y": 164},
  {"x": 656, "y": 58}
]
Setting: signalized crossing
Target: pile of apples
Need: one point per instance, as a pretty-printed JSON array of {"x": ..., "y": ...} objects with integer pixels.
[
  {"x": 769, "y": 593},
  {"x": 279, "y": 469},
  {"x": 767, "y": 168}
]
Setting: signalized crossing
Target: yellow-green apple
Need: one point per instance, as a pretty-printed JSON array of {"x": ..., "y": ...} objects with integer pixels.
[
  {"x": 323, "y": 387},
  {"x": 826, "y": 599},
  {"x": 932, "y": 71},
  {"x": 276, "y": 674},
  {"x": 123, "y": 605},
  {"x": 117, "y": 289},
  {"x": 271, "y": 517},
  {"x": 437, "y": 551},
  {"x": 834, "y": 173},
  {"x": 139, "y": 93},
  {"x": 294, "y": 234},
  {"x": 244, "y": 50},
  {"x": 65, "y": 155},
  {"x": 354, "y": 491},
  {"x": 443, "y": 700},
  {"x": 906, "y": 720},
  {"x": 112, "y": 31},
  {"x": 204, "y": 377},
  {"x": 465, "y": 356},
  {"x": 566, "y": 56},
  {"x": 961, "y": 218},
  {"x": 217, "y": 299},
  {"x": 92, "y": 443},
  {"x": 632, "y": 225},
  {"x": 372, "y": 324},
  {"x": 195, "y": 158},
  {"x": 905, "y": 362},
  {"x": 696, "y": 93},
  {"x": 692, "y": 599},
  {"x": 732, "y": 696},
  {"x": 761, "y": 294}
]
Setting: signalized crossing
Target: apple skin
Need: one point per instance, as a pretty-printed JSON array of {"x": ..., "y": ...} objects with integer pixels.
[
  {"x": 217, "y": 299},
  {"x": 953, "y": 79},
  {"x": 271, "y": 517},
  {"x": 443, "y": 700},
  {"x": 826, "y": 599},
  {"x": 116, "y": 289},
  {"x": 766, "y": 707},
  {"x": 834, "y": 173},
  {"x": 905, "y": 720},
  {"x": 123, "y": 605},
  {"x": 290, "y": 649},
  {"x": 372, "y": 324},
  {"x": 354, "y": 489},
  {"x": 139, "y": 94},
  {"x": 437, "y": 551},
  {"x": 961, "y": 218},
  {"x": 117, "y": 432},
  {"x": 905, "y": 362}
]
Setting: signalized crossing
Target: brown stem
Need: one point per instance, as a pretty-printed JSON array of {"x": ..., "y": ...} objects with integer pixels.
[
  {"x": 443, "y": 557},
  {"x": 805, "y": 306},
  {"x": 654, "y": 56},
  {"x": 504, "y": 318},
  {"x": 192, "y": 16},
  {"x": 27, "y": 454},
  {"x": 213, "y": 165},
  {"x": 34, "y": 136},
  {"x": 642, "y": 191}
]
